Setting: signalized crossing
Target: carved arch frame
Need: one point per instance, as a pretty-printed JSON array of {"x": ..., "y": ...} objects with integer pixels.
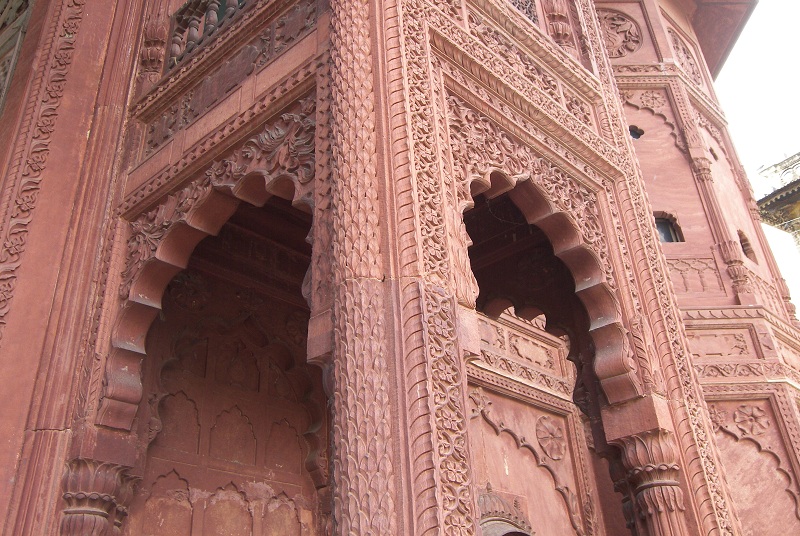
[
  {"x": 642, "y": 274},
  {"x": 278, "y": 146},
  {"x": 566, "y": 210}
]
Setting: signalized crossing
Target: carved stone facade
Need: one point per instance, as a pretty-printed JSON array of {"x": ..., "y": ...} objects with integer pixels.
[{"x": 360, "y": 267}]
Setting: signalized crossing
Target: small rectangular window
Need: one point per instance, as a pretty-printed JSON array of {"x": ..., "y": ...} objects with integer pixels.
[{"x": 666, "y": 231}]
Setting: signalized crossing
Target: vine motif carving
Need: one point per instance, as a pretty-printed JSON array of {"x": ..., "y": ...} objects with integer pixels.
[
  {"x": 284, "y": 148},
  {"x": 439, "y": 356},
  {"x": 621, "y": 33},
  {"x": 25, "y": 187},
  {"x": 685, "y": 57}
]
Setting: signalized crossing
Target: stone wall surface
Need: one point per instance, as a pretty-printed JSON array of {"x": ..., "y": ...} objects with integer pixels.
[{"x": 385, "y": 267}]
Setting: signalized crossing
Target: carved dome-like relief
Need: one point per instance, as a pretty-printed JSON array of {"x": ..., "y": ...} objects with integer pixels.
[
  {"x": 621, "y": 33},
  {"x": 499, "y": 517}
]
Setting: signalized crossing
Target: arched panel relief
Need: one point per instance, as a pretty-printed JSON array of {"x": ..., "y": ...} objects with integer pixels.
[
  {"x": 549, "y": 448},
  {"x": 279, "y": 160},
  {"x": 198, "y": 349},
  {"x": 487, "y": 160},
  {"x": 753, "y": 422},
  {"x": 656, "y": 101}
]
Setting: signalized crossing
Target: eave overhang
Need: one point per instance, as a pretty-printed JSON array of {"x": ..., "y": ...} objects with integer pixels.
[{"x": 718, "y": 24}]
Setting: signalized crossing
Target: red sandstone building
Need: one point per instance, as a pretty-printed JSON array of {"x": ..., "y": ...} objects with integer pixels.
[{"x": 385, "y": 267}]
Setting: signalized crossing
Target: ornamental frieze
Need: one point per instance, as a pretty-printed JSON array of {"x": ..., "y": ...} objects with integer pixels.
[{"x": 270, "y": 43}]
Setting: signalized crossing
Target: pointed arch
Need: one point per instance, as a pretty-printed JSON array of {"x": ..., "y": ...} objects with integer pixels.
[{"x": 277, "y": 161}]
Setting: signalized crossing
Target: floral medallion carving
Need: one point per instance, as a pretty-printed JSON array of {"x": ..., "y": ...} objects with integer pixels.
[
  {"x": 655, "y": 100},
  {"x": 550, "y": 437},
  {"x": 751, "y": 420},
  {"x": 621, "y": 34}
]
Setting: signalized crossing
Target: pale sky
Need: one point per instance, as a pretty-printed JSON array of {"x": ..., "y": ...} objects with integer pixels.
[{"x": 759, "y": 87}]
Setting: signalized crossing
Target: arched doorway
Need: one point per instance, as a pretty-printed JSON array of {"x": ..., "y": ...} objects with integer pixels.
[
  {"x": 529, "y": 441},
  {"x": 233, "y": 421}
]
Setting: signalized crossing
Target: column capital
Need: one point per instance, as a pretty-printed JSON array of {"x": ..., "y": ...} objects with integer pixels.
[{"x": 96, "y": 495}]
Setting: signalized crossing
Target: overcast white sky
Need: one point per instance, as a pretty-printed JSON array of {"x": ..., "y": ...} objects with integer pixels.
[{"x": 759, "y": 87}]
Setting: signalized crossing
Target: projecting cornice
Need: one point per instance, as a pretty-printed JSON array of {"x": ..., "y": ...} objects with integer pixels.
[{"x": 718, "y": 24}]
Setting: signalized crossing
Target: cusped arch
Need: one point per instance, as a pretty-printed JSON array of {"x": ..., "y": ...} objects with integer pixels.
[
  {"x": 278, "y": 161},
  {"x": 593, "y": 283}
]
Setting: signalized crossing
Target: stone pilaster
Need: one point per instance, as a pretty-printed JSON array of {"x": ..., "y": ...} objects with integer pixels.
[
  {"x": 96, "y": 496},
  {"x": 652, "y": 474},
  {"x": 364, "y": 492}
]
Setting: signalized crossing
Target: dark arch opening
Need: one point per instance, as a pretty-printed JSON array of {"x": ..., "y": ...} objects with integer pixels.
[
  {"x": 515, "y": 267},
  {"x": 229, "y": 395}
]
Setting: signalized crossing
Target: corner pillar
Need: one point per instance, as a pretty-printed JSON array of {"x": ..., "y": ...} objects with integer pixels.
[
  {"x": 96, "y": 496},
  {"x": 642, "y": 431},
  {"x": 364, "y": 413}
]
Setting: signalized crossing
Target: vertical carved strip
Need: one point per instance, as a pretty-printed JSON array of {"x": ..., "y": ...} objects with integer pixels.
[
  {"x": 24, "y": 188},
  {"x": 415, "y": 364},
  {"x": 363, "y": 449},
  {"x": 699, "y": 453},
  {"x": 443, "y": 363}
]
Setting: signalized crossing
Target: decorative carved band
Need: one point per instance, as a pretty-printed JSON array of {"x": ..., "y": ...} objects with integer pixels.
[{"x": 26, "y": 175}]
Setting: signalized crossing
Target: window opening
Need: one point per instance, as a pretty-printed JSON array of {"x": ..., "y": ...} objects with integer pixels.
[
  {"x": 747, "y": 248},
  {"x": 667, "y": 228}
]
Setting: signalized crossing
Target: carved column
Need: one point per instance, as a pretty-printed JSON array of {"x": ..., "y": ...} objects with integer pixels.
[
  {"x": 622, "y": 486},
  {"x": 96, "y": 496},
  {"x": 729, "y": 249},
  {"x": 652, "y": 475},
  {"x": 364, "y": 490}
]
